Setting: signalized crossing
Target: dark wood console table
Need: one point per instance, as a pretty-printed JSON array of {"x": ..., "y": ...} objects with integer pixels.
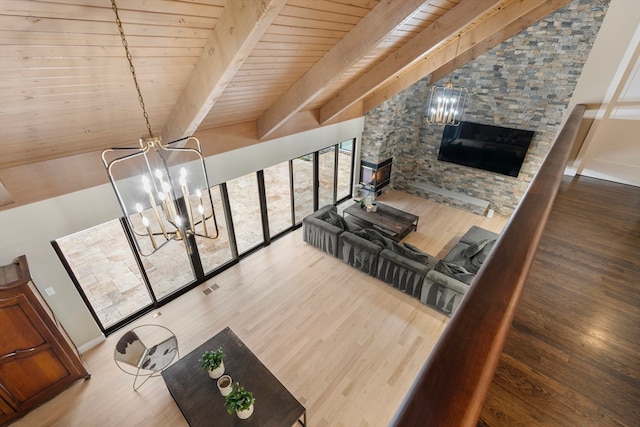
[
  {"x": 395, "y": 223},
  {"x": 202, "y": 404}
]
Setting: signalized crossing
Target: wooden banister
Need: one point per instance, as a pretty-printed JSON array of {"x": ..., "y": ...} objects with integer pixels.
[{"x": 453, "y": 383}]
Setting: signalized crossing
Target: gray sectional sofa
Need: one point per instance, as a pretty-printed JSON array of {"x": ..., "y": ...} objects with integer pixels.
[{"x": 440, "y": 284}]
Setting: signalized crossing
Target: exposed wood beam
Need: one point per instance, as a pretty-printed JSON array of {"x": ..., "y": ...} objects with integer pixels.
[
  {"x": 506, "y": 22},
  {"x": 241, "y": 26},
  {"x": 368, "y": 33},
  {"x": 426, "y": 41}
]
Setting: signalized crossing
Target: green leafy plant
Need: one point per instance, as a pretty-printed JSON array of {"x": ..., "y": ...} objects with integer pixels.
[
  {"x": 239, "y": 399},
  {"x": 211, "y": 359}
]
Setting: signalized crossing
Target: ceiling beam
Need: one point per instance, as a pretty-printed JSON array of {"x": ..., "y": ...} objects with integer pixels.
[
  {"x": 235, "y": 35},
  {"x": 426, "y": 41},
  {"x": 367, "y": 34},
  {"x": 506, "y": 22}
]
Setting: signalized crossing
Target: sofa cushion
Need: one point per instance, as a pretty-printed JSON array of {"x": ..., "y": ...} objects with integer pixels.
[
  {"x": 447, "y": 281},
  {"x": 358, "y": 252},
  {"x": 476, "y": 234},
  {"x": 456, "y": 271},
  {"x": 411, "y": 252},
  {"x": 336, "y": 219},
  {"x": 374, "y": 237},
  {"x": 478, "y": 252}
]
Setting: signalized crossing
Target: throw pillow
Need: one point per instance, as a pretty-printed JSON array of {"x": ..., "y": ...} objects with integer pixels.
[
  {"x": 456, "y": 271},
  {"x": 373, "y": 236},
  {"x": 479, "y": 258},
  {"x": 351, "y": 226},
  {"x": 411, "y": 252},
  {"x": 337, "y": 220},
  {"x": 475, "y": 248}
]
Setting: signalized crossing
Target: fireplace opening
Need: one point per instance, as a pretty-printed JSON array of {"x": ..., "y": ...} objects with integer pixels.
[{"x": 374, "y": 177}]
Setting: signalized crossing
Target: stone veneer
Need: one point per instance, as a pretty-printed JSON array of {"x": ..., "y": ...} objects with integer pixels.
[{"x": 525, "y": 82}]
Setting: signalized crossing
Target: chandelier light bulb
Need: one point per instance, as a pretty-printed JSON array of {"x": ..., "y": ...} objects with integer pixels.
[
  {"x": 200, "y": 209},
  {"x": 145, "y": 184},
  {"x": 145, "y": 221},
  {"x": 138, "y": 208}
]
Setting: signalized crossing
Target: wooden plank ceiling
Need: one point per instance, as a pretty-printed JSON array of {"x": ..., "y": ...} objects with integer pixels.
[{"x": 66, "y": 88}]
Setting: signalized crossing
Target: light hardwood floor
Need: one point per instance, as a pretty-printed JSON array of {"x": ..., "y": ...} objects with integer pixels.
[{"x": 347, "y": 345}]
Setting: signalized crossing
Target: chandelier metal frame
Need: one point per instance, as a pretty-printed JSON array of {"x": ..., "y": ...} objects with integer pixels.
[
  {"x": 446, "y": 103},
  {"x": 168, "y": 213}
]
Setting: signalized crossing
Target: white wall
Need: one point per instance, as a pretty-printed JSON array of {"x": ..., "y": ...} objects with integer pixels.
[
  {"x": 611, "y": 77},
  {"x": 29, "y": 229}
]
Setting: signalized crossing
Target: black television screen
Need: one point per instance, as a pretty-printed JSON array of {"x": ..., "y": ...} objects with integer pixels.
[{"x": 492, "y": 148}]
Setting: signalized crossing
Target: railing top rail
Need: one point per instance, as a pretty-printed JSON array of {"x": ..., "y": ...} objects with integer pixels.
[{"x": 453, "y": 383}]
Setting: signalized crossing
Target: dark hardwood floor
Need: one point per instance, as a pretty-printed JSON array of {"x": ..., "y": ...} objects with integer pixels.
[{"x": 572, "y": 357}]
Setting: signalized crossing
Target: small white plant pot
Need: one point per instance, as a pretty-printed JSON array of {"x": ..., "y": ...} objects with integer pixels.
[
  {"x": 217, "y": 373},
  {"x": 245, "y": 413},
  {"x": 225, "y": 385}
]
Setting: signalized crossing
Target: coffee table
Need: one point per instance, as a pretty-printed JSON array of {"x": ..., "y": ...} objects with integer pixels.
[
  {"x": 202, "y": 404},
  {"x": 395, "y": 223}
]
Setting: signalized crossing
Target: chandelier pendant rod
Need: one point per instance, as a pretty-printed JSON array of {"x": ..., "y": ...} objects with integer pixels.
[{"x": 131, "y": 67}]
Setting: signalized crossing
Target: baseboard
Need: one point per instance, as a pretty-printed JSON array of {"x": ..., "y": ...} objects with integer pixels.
[{"x": 94, "y": 342}]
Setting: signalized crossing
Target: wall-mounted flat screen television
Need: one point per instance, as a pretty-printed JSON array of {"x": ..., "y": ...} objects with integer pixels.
[{"x": 492, "y": 148}]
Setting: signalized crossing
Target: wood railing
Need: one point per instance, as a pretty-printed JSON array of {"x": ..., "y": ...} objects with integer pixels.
[{"x": 452, "y": 385}]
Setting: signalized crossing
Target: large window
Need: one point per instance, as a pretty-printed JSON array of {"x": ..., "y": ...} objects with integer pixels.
[
  {"x": 118, "y": 284},
  {"x": 215, "y": 252},
  {"x": 244, "y": 200},
  {"x": 327, "y": 176},
  {"x": 106, "y": 272},
  {"x": 277, "y": 183},
  {"x": 302, "y": 186},
  {"x": 345, "y": 170}
]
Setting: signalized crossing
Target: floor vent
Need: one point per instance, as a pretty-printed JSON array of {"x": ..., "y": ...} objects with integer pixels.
[{"x": 210, "y": 289}]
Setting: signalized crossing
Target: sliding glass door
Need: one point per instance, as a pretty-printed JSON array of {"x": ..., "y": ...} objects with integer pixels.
[
  {"x": 106, "y": 273},
  {"x": 118, "y": 284},
  {"x": 244, "y": 200}
]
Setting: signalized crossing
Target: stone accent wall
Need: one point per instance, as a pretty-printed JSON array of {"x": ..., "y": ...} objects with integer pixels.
[{"x": 525, "y": 82}]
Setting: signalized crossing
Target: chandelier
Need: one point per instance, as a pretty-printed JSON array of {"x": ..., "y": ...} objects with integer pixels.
[
  {"x": 446, "y": 103},
  {"x": 163, "y": 189}
]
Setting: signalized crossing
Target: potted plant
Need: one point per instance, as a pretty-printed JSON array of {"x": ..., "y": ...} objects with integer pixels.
[
  {"x": 240, "y": 401},
  {"x": 211, "y": 361}
]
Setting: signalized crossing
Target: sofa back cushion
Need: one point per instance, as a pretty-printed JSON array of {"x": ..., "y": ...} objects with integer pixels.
[
  {"x": 374, "y": 237},
  {"x": 409, "y": 251}
]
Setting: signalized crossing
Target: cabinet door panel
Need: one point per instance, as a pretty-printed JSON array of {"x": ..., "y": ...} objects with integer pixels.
[
  {"x": 25, "y": 377},
  {"x": 18, "y": 330}
]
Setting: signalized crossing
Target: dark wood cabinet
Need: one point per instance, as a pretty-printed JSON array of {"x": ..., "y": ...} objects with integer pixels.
[{"x": 37, "y": 358}]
